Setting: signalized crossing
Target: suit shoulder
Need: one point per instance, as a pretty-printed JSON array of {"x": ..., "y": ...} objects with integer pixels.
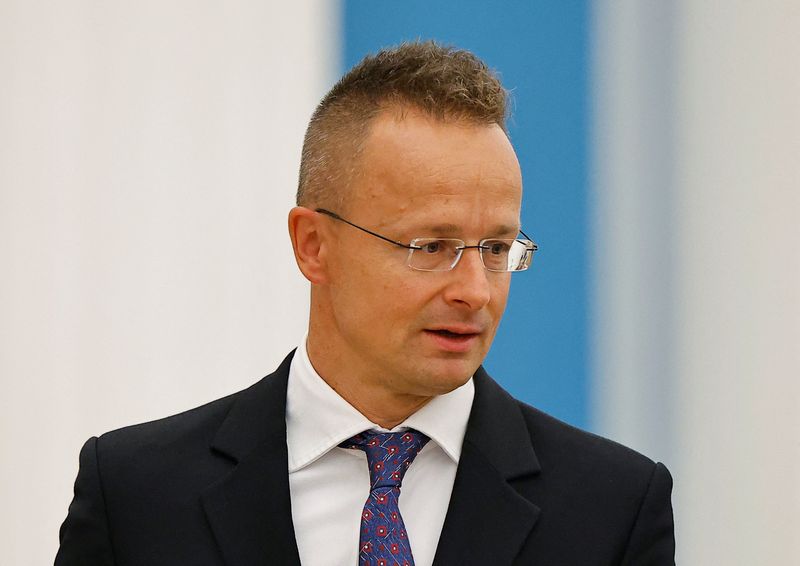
[
  {"x": 196, "y": 425},
  {"x": 557, "y": 441}
]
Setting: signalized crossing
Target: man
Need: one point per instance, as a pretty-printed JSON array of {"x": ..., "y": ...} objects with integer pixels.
[{"x": 408, "y": 228}]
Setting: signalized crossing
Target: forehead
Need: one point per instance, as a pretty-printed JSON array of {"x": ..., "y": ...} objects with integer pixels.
[{"x": 417, "y": 169}]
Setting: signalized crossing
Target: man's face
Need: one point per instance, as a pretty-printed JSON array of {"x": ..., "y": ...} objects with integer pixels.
[{"x": 414, "y": 332}]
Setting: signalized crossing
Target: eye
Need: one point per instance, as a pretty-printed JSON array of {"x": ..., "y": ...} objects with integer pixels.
[
  {"x": 432, "y": 247},
  {"x": 497, "y": 247}
]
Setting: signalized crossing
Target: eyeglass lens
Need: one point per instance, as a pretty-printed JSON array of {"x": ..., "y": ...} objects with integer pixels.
[{"x": 441, "y": 254}]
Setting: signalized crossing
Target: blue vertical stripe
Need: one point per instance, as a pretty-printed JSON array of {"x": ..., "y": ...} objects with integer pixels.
[{"x": 540, "y": 50}]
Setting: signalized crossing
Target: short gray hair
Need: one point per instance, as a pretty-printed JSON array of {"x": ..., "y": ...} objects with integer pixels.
[{"x": 443, "y": 82}]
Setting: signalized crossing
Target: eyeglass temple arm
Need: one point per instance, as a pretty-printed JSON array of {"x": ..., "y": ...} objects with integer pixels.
[
  {"x": 370, "y": 232},
  {"x": 535, "y": 245},
  {"x": 385, "y": 239}
]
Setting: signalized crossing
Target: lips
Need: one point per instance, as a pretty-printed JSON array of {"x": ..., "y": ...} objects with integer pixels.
[
  {"x": 456, "y": 329},
  {"x": 455, "y": 338},
  {"x": 450, "y": 334}
]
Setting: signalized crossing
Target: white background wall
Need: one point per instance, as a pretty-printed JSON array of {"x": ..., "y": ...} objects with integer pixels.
[
  {"x": 148, "y": 157},
  {"x": 697, "y": 140}
]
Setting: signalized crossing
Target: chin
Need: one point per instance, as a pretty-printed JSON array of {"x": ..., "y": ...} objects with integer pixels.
[{"x": 442, "y": 380}]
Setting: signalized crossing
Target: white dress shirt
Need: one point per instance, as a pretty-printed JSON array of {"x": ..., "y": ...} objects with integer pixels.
[{"x": 329, "y": 485}]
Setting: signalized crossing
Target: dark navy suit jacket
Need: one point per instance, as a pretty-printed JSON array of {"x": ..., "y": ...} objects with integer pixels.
[{"x": 210, "y": 487}]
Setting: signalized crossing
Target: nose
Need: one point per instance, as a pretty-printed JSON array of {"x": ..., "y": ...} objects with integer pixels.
[{"x": 469, "y": 284}]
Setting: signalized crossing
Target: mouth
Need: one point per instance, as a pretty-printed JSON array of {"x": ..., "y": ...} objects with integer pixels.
[
  {"x": 457, "y": 340},
  {"x": 452, "y": 334}
]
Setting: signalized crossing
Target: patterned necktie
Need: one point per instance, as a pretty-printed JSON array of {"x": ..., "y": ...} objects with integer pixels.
[{"x": 384, "y": 540}]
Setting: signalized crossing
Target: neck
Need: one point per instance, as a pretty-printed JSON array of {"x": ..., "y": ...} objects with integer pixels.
[{"x": 375, "y": 400}]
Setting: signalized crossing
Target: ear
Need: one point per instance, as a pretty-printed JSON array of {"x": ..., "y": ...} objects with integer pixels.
[{"x": 308, "y": 242}]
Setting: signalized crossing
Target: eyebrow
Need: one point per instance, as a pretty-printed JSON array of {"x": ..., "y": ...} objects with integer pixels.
[{"x": 453, "y": 229}]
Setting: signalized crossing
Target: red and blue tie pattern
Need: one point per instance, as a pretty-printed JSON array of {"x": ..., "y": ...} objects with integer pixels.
[{"x": 384, "y": 540}]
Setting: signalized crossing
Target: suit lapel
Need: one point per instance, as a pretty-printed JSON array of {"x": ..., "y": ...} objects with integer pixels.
[
  {"x": 488, "y": 519},
  {"x": 487, "y": 522},
  {"x": 249, "y": 508}
]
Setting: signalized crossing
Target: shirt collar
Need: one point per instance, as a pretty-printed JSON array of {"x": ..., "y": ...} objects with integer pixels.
[{"x": 311, "y": 433}]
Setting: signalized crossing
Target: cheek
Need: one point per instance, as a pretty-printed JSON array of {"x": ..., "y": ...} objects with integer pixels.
[
  {"x": 404, "y": 306},
  {"x": 400, "y": 299},
  {"x": 500, "y": 290},
  {"x": 377, "y": 295}
]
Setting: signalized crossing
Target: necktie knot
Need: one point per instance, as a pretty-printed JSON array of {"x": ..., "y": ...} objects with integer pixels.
[{"x": 389, "y": 454}]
